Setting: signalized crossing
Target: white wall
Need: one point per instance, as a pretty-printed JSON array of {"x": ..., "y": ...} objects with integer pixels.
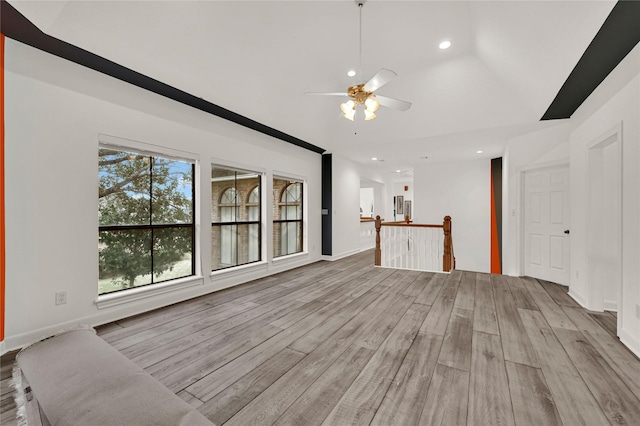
[
  {"x": 398, "y": 189},
  {"x": 537, "y": 149},
  {"x": 622, "y": 109},
  {"x": 347, "y": 179},
  {"x": 366, "y": 202},
  {"x": 461, "y": 190},
  {"x": 54, "y": 111},
  {"x": 346, "y": 208}
]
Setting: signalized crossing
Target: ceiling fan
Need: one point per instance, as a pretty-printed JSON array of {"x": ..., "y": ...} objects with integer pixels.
[{"x": 363, "y": 94}]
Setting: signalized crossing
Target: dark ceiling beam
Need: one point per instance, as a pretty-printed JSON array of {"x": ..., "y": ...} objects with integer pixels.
[
  {"x": 17, "y": 27},
  {"x": 619, "y": 34}
]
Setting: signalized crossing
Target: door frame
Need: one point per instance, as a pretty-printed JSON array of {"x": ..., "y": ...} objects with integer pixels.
[
  {"x": 521, "y": 203},
  {"x": 611, "y": 138}
]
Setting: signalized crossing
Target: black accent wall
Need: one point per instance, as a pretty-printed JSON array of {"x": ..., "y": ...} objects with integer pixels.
[
  {"x": 619, "y": 34},
  {"x": 326, "y": 205}
]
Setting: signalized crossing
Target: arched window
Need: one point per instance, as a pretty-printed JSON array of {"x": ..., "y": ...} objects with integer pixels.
[
  {"x": 254, "y": 196},
  {"x": 288, "y": 228}
]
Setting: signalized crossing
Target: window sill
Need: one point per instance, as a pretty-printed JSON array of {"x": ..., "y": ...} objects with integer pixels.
[
  {"x": 291, "y": 257},
  {"x": 140, "y": 293},
  {"x": 238, "y": 270}
]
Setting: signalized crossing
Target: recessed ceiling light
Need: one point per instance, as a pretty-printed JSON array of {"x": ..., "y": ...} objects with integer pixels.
[
  {"x": 398, "y": 171},
  {"x": 351, "y": 73},
  {"x": 479, "y": 152},
  {"x": 445, "y": 45},
  {"x": 374, "y": 159}
]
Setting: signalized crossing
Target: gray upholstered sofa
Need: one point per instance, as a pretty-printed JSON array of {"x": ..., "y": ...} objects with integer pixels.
[{"x": 76, "y": 378}]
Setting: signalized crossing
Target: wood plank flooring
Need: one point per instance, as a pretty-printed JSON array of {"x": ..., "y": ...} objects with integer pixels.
[{"x": 346, "y": 343}]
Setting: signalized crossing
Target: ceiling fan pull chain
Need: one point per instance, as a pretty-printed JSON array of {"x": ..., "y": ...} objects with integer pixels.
[
  {"x": 355, "y": 125},
  {"x": 360, "y": 52}
]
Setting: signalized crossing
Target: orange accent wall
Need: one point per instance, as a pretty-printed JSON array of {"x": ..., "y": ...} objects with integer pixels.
[
  {"x": 495, "y": 248},
  {"x": 2, "y": 246}
]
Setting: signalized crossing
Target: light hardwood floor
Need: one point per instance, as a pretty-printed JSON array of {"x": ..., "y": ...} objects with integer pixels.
[{"x": 345, "y": 343}]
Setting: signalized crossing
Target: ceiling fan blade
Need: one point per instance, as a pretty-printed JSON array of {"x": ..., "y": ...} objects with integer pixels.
[
  {"x": 380, "y": 79},
  {"x": 327, "y": 93},
  {"x": 393, "y": 103}
]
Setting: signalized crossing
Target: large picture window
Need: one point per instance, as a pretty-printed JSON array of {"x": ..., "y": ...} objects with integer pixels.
[
  {"x": 287, "y": 217},
  {"x": 146, "y": 210},
  {"x": 235, "y": 217}
]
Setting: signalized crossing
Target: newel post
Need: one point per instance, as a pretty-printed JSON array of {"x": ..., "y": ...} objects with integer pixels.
[
  {"x": 447, "y": 257},
  {"x": 378, "y": 259}
]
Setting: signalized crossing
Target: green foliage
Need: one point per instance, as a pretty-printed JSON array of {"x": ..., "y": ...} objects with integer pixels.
[{"x": 141, "y": 190}]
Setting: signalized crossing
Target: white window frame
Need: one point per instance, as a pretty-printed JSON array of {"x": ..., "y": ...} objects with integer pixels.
[
  {"x": 305, "y": 216},
  {"x": 139, "y": 293},
  {"x": 264, "y": 254}
]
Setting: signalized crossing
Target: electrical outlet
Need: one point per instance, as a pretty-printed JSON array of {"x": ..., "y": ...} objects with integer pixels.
[{"x": 61, "y": 297}]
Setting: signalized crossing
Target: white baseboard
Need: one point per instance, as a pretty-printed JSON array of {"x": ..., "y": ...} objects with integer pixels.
[
  {"x": 630, "y": 342},
  {"x": 342, "y": 255},
  {"x": 581, "y": 301},
  {"x": 610, "y": 306}
]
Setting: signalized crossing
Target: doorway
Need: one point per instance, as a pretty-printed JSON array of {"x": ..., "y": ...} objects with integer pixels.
[
  {"x": 604, "y": 223},
  {"x": 546, "y": 224}
]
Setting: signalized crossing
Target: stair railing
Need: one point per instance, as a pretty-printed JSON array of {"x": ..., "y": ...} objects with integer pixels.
[{"x": 415, "y": 246}]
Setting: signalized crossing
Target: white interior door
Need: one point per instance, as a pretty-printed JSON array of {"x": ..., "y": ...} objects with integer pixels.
[{"x": 546, "y": 218}]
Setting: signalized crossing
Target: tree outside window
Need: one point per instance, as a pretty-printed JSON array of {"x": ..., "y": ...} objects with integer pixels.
[{"x": 146, "y": 210}]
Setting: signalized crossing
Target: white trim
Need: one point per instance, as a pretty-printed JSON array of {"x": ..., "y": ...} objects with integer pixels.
[
  {"x": 418, "y": 270},
  {"x": 290, "y": 258},
  {"x": 288, "y": 176},
  {"x": 611, "y": 305},
  {"x": 146, "y": 148},
  {"x": 305, "y": 211},
  {"x": 126, "y": 296},
  {"x": 334, "y": 257},
  {"x": 612, "y": 137},
  {"x": 238, "y": 270},
  {"x": 578, "y": 298},
  {"x": 545, "y": 165},
  {"x": 629, "y": 341},
  {"x": 237, "y": 167},
  {"x": 130, "y": 295}
]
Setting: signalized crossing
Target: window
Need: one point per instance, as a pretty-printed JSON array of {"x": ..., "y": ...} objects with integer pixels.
[
  {"x": 146, "y": 208},
  {"x": 287, "y": 223},
  {"x": 235, "y": 217}
]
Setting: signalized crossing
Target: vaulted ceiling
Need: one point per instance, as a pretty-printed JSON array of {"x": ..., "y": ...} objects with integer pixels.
[{"x": 507, "y": 62}]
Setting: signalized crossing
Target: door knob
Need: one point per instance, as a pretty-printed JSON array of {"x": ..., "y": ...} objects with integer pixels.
[{"x": 566, "y": 231}]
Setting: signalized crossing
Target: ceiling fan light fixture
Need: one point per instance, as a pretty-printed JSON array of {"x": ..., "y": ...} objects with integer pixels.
[
  {"x": 369, "y": 115},
  {"x": 371, "y": 105},
  {"x": 363, "y": 94},
  {"x": 349, "y": 110},
  {"x": 348, "y": 107},
  {"x": 350, "y": 115}
]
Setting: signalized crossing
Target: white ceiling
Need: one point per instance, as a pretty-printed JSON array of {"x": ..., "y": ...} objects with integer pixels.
[{"x": 507, "y": 62}]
